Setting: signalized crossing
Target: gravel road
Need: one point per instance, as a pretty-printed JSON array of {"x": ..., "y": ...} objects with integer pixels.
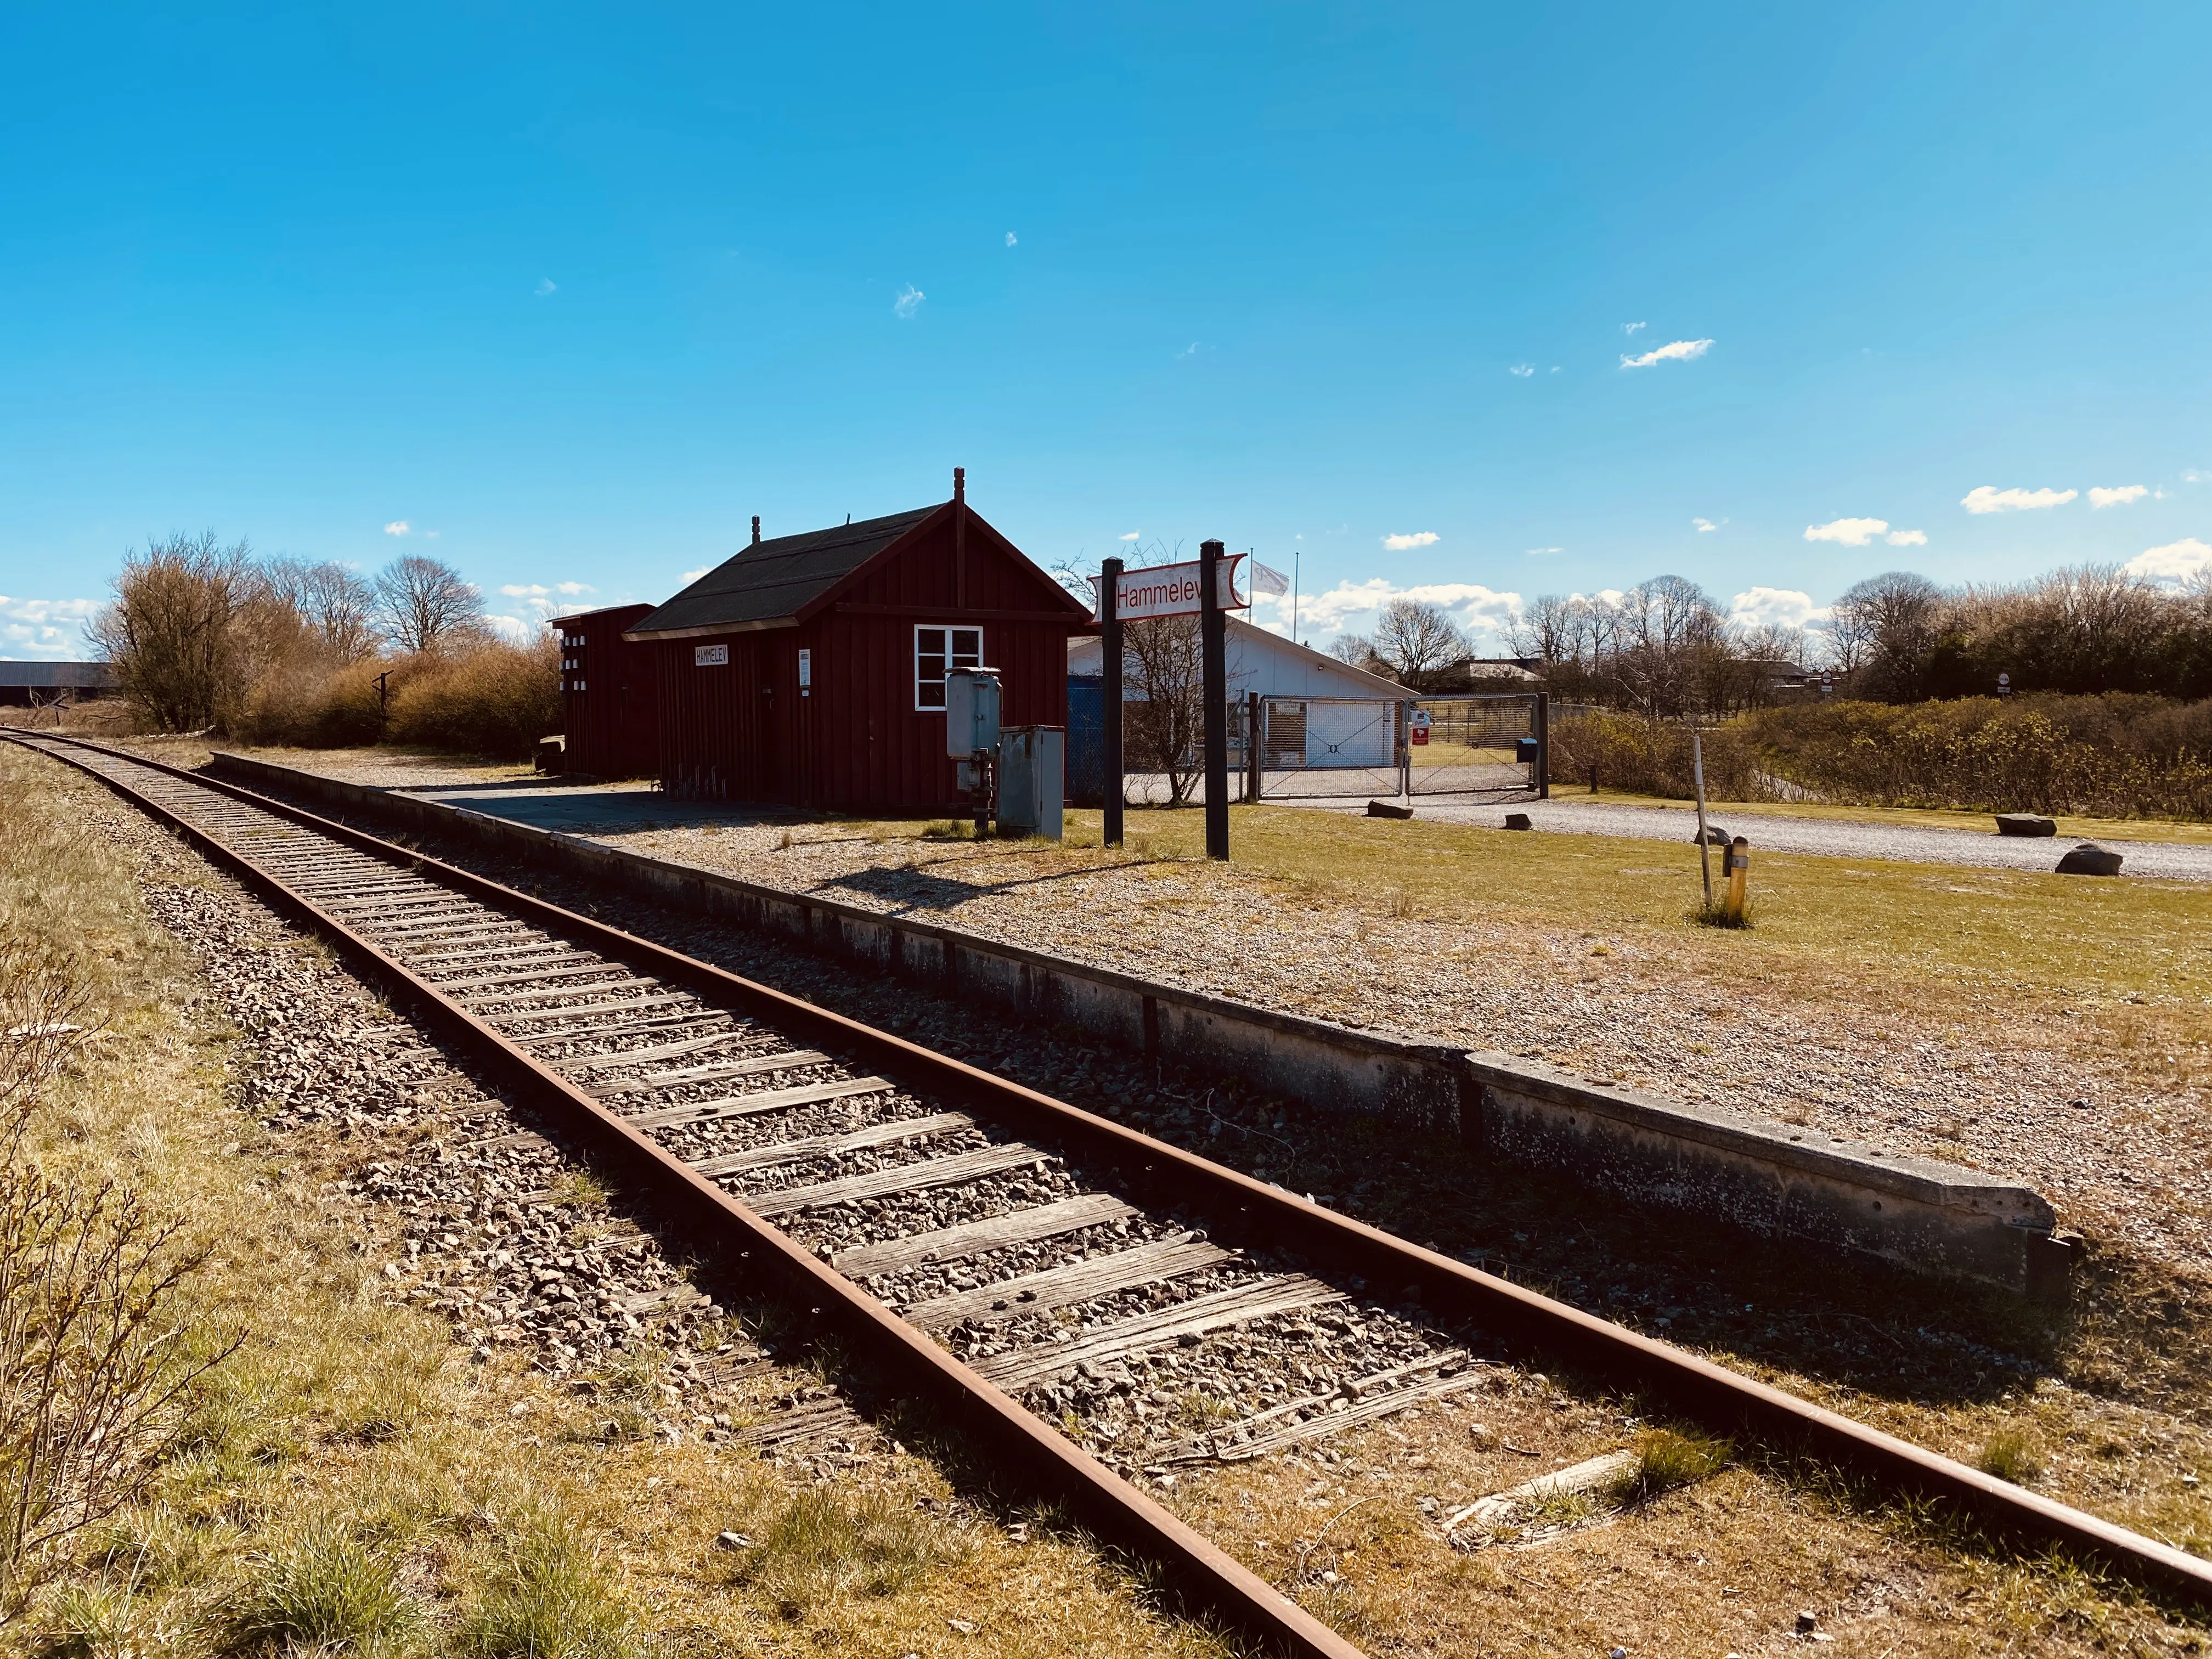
[{"x": 1828, "y": 837}]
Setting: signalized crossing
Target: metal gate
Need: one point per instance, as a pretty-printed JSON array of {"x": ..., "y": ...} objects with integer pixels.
[
  {"x": 1490, "y": 746},
  {"x": 1327, "y": 748}
]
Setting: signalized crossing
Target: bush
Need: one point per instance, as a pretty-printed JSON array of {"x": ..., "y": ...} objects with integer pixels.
[
  {"x": 307, "y": 707},
  {"x": 1644, "y": 757},
  {"x": 2114, "y": 756},
  {"x": 496, "y": 699}
]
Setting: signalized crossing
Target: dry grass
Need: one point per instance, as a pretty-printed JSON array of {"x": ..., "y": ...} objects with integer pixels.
[
  {"x": 1722, "y": 1560},
  {"x": 351, "y": 1483}
]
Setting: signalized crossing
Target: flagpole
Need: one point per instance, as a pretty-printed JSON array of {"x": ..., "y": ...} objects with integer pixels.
[{"x": 1298, "y": 555}]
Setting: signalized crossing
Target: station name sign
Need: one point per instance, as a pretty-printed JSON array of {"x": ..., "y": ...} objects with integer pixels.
[
  {"x": 1171, "y": 590},
  {"x": 710, "y": 656}
]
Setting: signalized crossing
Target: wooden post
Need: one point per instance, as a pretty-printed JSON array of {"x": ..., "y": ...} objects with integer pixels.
[
  {"x": 1214, "y": 653},
  {"x": 1698, "y": 771},
  {"x": 1110, "y": 640},
  {"x": 1738, "y": 882}
]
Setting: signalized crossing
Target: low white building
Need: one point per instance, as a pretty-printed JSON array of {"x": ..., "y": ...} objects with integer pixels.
[{"x": 1262, "y": 662}]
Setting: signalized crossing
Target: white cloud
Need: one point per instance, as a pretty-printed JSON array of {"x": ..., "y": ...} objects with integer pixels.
[
  {"x": 1555, "y": 368},
  {"x": 2125, "y": 495},
  {"x": 1418, "y": 538},
  {"x": 545, "y": 285},
  {"x": 1481, "y": 611},
  {"x": 1760, "y": 607},
  {"x": 537, "y": 599},
  {"x": 1987, "y": 498},
  {"x": 908, "y": 302},
  {"x": 1190, "y": 350},
  {"x": 396, "y": 527},
  {"x": 1850, "y": 532},
  {"x": 1542, "y": 552},
  {"x": 1011, "y": 238},
  {"x": 1131, "y": 536},
  {"x": 2195, "y": 475},
  {"x": 1907, "y": 538},
  {"x": 1704, "y": 525},
  {"x": 1631, "y": 328},
  {"x": 514, "y": 630},
  {"x": 1674, "y": 351},
  {"x": 690, "y": 576},
  {"x": 2174, "y": 562},
  {"x": 1521, "y": 371},
  {"x": 47, "y": 629}
]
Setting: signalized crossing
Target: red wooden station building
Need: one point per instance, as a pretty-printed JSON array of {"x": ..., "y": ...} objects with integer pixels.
[{"x": 809, "y": 670}]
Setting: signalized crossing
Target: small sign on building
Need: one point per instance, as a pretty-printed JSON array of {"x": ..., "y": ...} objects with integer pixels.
[
  {"x": 805, "y": 670},
  {"x": 710, "y": 656}
]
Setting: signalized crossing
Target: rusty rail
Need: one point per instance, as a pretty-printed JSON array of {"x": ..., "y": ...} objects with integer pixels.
[{"x": 1206, "y": 1579}]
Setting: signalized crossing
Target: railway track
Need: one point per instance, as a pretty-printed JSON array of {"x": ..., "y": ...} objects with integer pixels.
[{"x": 1006, "y": 1256}]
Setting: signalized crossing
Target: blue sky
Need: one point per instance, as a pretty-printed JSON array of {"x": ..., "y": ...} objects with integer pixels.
[{"x": 570, "y": 292}]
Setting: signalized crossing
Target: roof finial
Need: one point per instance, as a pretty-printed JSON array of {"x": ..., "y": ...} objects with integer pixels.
[
  {"x": 959, "y": 483},
  {"x": 756, "y": 530}
]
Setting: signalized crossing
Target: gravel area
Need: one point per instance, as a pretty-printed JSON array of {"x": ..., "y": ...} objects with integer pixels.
[
  {"x": 1776, "y": 832},
  {"x": 1999, "y": 1092}
]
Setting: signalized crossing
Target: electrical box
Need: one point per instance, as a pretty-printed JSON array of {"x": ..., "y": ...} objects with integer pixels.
[
  {"x": 971, "y": 711},
  {"x": 1032, "y": 780}
]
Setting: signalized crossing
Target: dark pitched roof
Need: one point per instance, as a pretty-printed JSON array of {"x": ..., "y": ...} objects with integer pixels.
[
  {"x": 772, "y": 581},
  {"x": 58, "y": 675}
]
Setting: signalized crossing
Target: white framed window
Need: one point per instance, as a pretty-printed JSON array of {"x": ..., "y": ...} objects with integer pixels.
[{"x": 937, "y": 651}]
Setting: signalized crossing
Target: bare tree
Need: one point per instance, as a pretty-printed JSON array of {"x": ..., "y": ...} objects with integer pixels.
[
  {"x": 331, "y": 601},
  {"x": 1891, "y": 620},
  {"x": 1164, "y": 678},
  {"x": 423, "y": 605},
  {"x": 172, "y": 637},
  {"x": 1419, "y": 642},
  {"x": 1358, "y": 651}
]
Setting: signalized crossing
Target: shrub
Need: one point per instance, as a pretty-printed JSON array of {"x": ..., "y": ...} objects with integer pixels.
[
  {"x": 307, "y": 706},
  {"x": 94, "y": 1381},
  {"x": 1644, "y": 756},
  {"x": 2115, "y": 756},
  {"x": 496, "y": 699}
]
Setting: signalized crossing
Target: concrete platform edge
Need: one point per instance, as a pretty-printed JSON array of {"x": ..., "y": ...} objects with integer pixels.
[{"x": 1774, "y": 1180}]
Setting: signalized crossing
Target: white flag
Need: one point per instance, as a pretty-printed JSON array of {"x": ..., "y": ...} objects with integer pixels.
[{"x": 1265, "y": 581}]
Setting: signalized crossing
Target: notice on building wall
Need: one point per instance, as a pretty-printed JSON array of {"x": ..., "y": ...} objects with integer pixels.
[
  {"x": 805, "y": 667},
  {"x": 710, "y": 656}
]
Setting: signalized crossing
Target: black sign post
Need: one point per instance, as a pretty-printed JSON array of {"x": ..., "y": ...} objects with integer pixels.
[
  {"x": 1110, "y": 641},
  {"x": 1213, "y": 655}
]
